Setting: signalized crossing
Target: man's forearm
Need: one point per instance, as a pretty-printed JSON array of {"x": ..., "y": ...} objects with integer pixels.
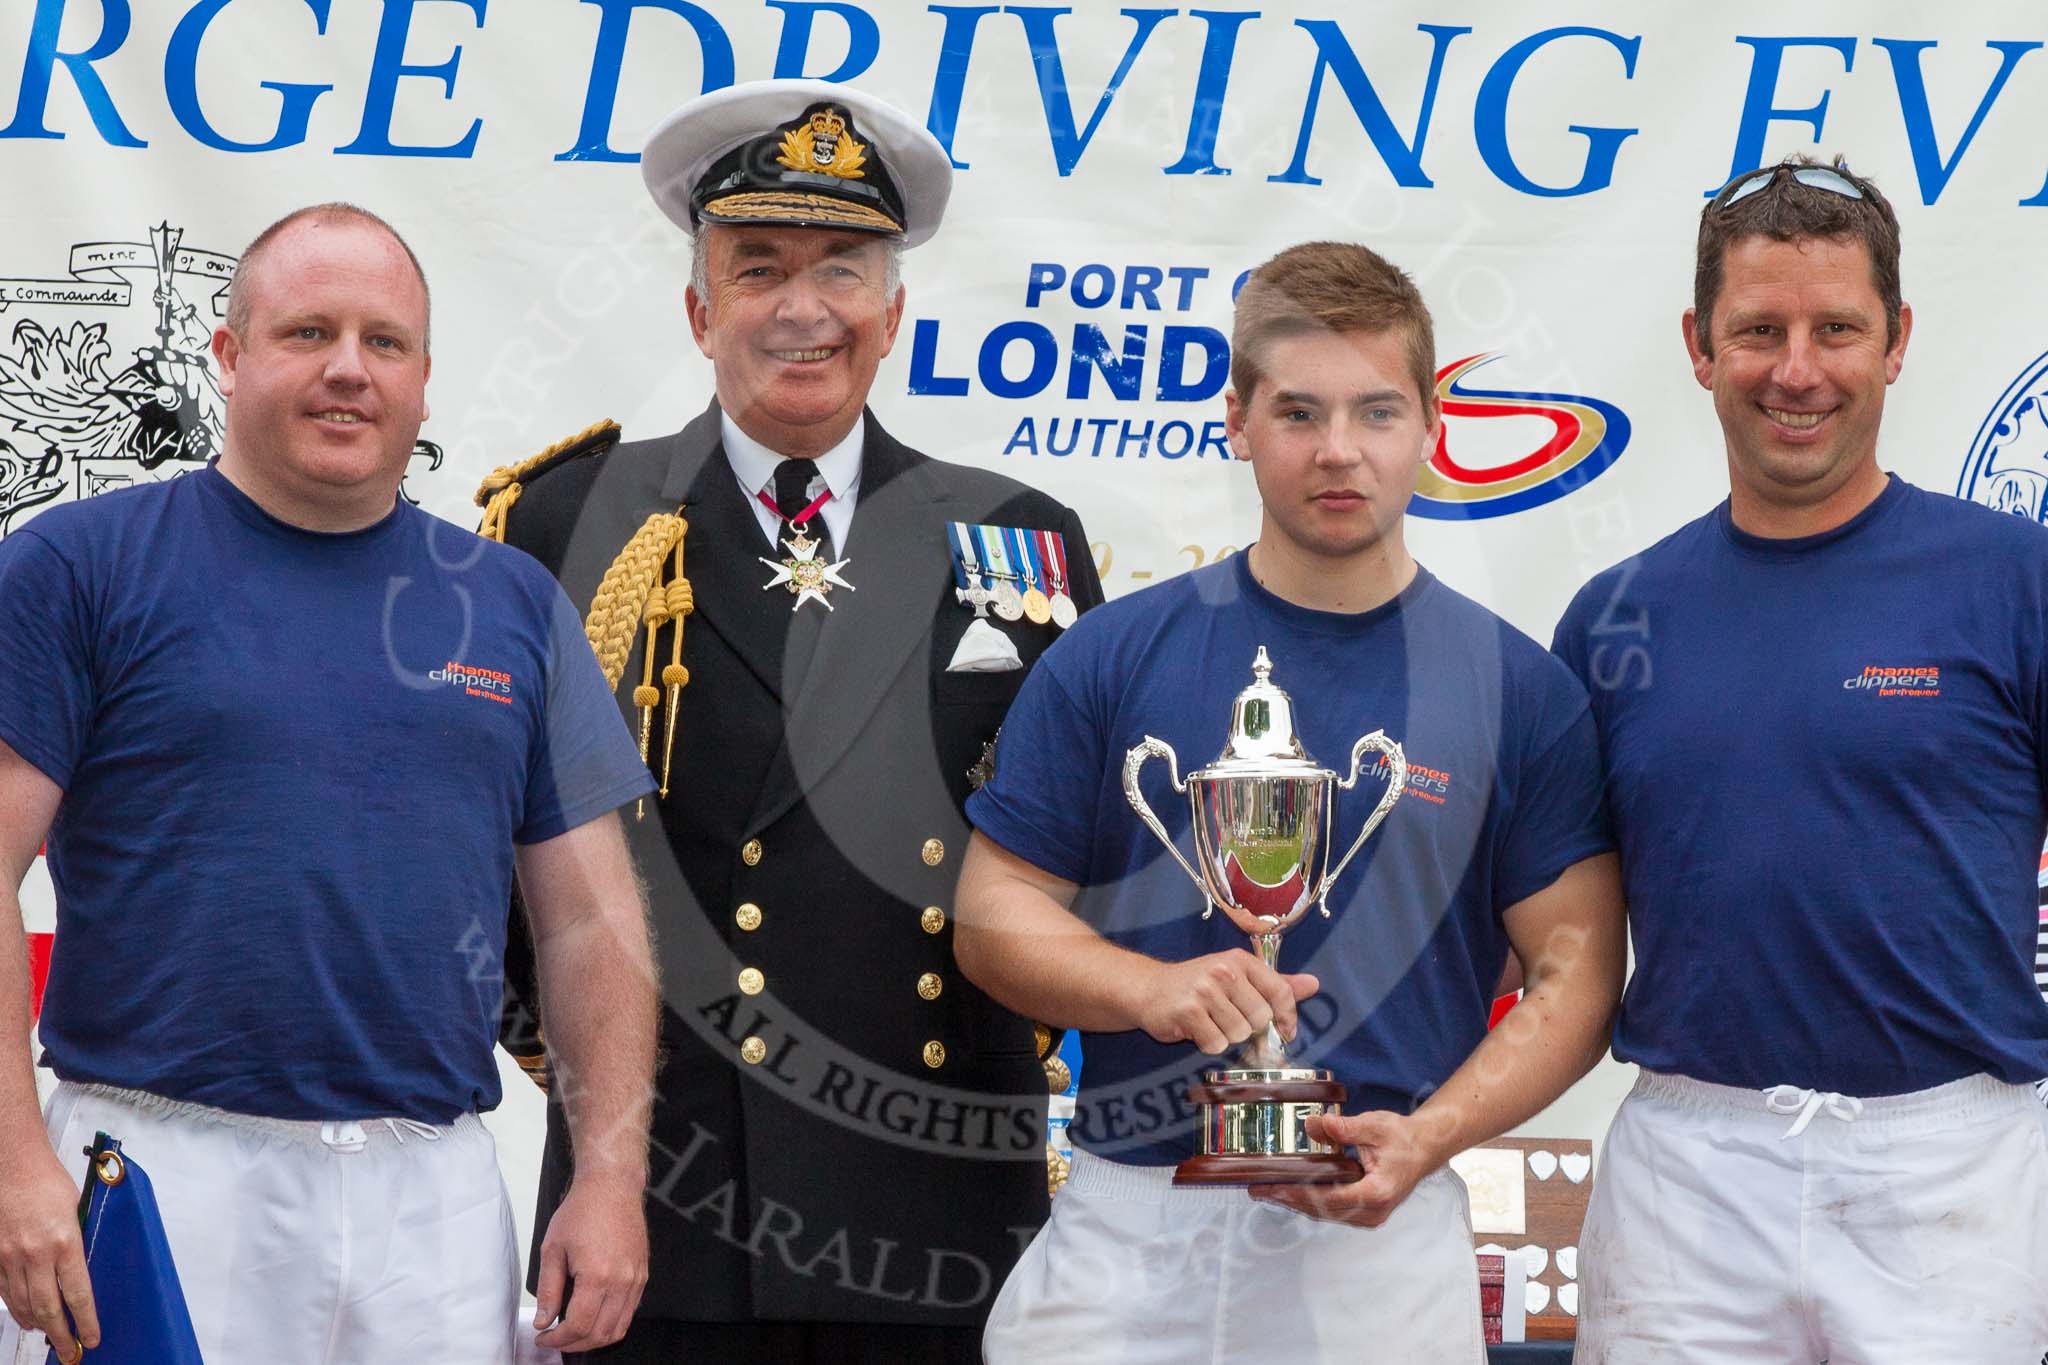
[
  {"x": 21, "y": 1110},
  {"x": 599, "y": 1010},
  {"x": 1017, "y": 940},
  {"x": 1551, "y": 1038},
  {"x": 1051, "y": 966}
]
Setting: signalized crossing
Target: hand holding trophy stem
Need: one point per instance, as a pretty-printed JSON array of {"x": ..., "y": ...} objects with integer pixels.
[{"x": 1261, "y": 816}]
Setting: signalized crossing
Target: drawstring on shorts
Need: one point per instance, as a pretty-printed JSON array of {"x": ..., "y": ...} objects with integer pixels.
[
  {"x": 350, "y": 1136},
  {"x": 1790, "y": 1099}
]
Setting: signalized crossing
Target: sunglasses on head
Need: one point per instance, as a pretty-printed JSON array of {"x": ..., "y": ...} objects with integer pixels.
[{"x": 1819, "y": 177}]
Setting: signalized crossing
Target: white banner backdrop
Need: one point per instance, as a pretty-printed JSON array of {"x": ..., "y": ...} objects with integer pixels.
[{"x": 1538, "y": 168}]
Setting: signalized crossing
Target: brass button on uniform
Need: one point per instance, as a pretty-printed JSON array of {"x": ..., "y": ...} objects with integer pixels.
[
  {"x": 932, "y": 920},
  {"x": 748, "y": 917},
  {"x": 929, "y": 985},
  {"x": 752, "y": 1051},
  {"x": 935, "y": 1054},
  {"x": 750, "y": 852},
  {"x": 751, "y": 980},
  {"x": 933, "y": 853}
]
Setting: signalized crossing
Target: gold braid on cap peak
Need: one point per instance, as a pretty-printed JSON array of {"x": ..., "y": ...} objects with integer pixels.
[
  {"x": 632, "y": 593},
  {"x": 501, "y": 487}
]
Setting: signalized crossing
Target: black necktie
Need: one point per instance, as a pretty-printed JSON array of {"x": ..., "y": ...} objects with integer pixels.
[{"x": 792, "y": 496}]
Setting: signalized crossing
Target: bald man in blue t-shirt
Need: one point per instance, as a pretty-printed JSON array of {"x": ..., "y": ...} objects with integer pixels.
[{"x": 287, "y": 736}]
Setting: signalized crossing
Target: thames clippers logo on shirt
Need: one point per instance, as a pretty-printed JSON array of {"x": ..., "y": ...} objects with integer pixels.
[
  {"x": 2007, "y": 467},
  {"x": 106, "y": 374},
  {"x": 1424, "y": 782},
  {"x": 487, "y": 683},
  {"x": 1882, "y": 681},
  {"x": 1586, "y": 436}
]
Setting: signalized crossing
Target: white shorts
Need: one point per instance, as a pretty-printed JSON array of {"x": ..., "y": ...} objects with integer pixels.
[
  {"x": 1130, "y": 1271},
  {"x": 1787, "y": 1226},
  {"x": 316, "y": 1244}
]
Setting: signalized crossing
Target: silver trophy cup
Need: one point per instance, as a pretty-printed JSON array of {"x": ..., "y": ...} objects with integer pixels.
[{"x": 1262, "y": 816}]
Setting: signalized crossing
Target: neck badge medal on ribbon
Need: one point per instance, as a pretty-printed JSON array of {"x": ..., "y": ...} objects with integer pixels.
[{"x": 808, "y": 578}]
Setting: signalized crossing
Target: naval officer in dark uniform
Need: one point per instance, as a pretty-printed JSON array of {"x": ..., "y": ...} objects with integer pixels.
[{"x": 814, "y": 632}]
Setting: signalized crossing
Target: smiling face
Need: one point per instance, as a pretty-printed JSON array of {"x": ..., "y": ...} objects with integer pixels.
[
  {"x": 1798, "y": 367},
  {"x": 795, "y": 321},
  {"x": 1336, "y": 434},
  {"x": 326, "y": 380}
]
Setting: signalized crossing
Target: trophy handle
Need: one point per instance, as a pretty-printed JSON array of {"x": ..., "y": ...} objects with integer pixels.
[
  {"x": 1134, "y": 760},
  {"x": 1397, "y": 783}
]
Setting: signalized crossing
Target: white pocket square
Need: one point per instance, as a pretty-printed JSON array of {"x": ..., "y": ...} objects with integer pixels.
[{"x": 984, "y": 649}]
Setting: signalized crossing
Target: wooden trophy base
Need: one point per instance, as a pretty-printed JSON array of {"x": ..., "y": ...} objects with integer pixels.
[
  {"x": 1301, "y": 1168},
  {"x": 1234, "y": 1103}
]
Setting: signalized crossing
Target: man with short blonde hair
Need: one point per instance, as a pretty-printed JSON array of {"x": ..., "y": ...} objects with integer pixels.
[
  {"x": 1069, "y": 911},
  {"x": 1330, "y": 287}
]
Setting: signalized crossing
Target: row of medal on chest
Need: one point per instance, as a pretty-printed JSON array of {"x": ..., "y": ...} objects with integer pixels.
[{"x": 1018, "y": 573}]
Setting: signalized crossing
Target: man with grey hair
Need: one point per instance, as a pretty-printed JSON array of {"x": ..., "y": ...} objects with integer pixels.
[
  {"x": 849, "y": 1137},
  {"x": 285, "y": 791}
]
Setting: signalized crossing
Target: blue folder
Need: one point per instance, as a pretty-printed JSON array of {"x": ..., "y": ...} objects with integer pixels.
[{"x": 134, "y": 1280}]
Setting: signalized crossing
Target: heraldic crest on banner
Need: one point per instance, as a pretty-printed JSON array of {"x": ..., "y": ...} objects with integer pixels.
[
  {"x": 99, "y": 419},
  {"x": 2007, "y": 467},
  {"x": 84, "y": 408}
]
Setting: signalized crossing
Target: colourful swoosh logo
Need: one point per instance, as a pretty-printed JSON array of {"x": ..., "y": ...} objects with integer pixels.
[{"x": 1587, "y": 435}]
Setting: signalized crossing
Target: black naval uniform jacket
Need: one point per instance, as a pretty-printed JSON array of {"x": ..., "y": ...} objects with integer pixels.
[{"x": 845, "y": 1128}]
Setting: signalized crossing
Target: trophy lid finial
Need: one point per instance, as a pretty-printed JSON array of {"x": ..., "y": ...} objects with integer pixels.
[{"x": 1262, "y": 721}]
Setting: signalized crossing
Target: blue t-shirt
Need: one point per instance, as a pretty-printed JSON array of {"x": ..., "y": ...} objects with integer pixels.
[
  {"x": 294, "y": 766},
  {"x": 1504, "y": 795},
  {"x": 1826, "y": 760}
]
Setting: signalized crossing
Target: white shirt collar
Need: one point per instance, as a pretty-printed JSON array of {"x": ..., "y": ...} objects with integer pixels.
[{"x": 754, "y": 464}]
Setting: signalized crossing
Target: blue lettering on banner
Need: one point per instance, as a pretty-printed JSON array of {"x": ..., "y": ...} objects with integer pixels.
[
  {"x": 1490, "y": 118},
  {"x": 1020, "y": 359},
  {"x": 43, "y": 59},
  {"x": 925, "y": 381},
  {"x": 1121, "y": 373},
  {"x": 1133, "y": 438},
  {"x": 1928, "y": 164},
  {"x": 1179, "y": 343},
  {"x": 1141, "y": 284},
  {"x": 1122, "y": 366},
  {"x": 843, "y": 40},
  {"x": 1334, "y": 54},
  {"x": 1758, "y": 113},
  {"x": 1051, "y": 71},
  {"x": 387, "y": 67},
  {"x": 601, "y": 91},
  {"x": 181, "y": 85},
  {"x": 949, "y": 82},
  {"x": 1212, "y": 82},
  {"x": 1044, "y": 359},
  {"x": 863, "y": 39}
]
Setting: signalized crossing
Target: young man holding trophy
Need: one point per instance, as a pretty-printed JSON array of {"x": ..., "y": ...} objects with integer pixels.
[{"x": 1293, "y": 1203}]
